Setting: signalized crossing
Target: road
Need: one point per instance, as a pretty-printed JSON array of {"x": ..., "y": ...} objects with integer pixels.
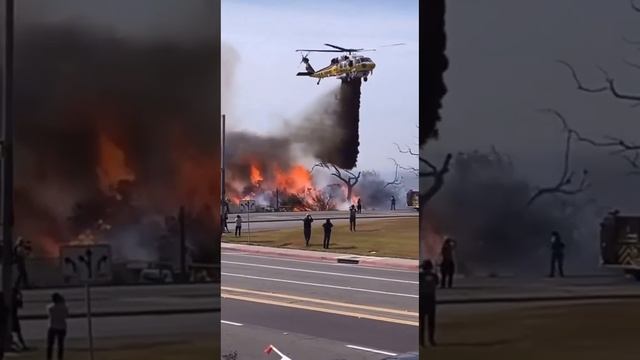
[{"x": 316, "y": 310}]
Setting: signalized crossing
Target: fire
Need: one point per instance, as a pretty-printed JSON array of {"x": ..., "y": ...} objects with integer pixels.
[
  {"x": 256, "y": 175},
  {"x": 297, "y": 179},
  {"x": 112, "y": 167}
]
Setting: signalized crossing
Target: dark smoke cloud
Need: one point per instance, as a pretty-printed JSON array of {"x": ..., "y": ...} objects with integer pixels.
[
  {"x": 150, "y": 98},
  {"x": 330, "y": 129},
  {"x": 483, "y": 206}
]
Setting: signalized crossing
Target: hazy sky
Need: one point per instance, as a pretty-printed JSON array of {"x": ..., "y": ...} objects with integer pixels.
[
  {"x": 266, "y": 34},
  {"x": 502, "y": 69}
]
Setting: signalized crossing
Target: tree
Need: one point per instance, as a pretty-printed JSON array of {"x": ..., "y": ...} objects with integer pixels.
[
  {"x": 349, "y": 178},
  {"x": 434, "y": 173},
  {"x": 619, "y": 146},
  {"x": 563, "y": 185}
]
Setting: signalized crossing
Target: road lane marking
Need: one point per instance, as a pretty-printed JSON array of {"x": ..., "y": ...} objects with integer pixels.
[
  {"x": 230, "y": 323},
  {"x": 321, "y": 285},
  {"x": 323, "y": 310},
  {"x": 371, "y": 350},
  {"x": 319, "y": 262},
  {"x": 326, "y": 302},
  {"x": 321, "y": 272}
]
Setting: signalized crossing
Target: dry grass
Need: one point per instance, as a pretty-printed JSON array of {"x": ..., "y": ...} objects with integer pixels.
[
  {"x": 380, "y": 237},
  {"x": 588, "y": 331}
]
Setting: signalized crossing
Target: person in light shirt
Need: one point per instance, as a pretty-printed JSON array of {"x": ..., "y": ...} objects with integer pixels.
[{"x": 57, "y": 332}]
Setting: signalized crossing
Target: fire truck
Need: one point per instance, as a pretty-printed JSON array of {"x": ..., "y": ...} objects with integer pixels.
[
  {"x": 413, "y": 199},
  {"x": 620, "y": 243}
]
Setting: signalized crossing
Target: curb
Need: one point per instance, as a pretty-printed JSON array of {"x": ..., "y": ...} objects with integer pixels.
[
  {"x": 104, "y": 314},
  {"x": 538, "y": 299},
  {"x": 329, "y": 257}
]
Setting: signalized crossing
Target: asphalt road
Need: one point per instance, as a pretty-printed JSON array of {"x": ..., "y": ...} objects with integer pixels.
[
  {"x": 350, "y": 311},
  {"x": 124, "y": 299}
]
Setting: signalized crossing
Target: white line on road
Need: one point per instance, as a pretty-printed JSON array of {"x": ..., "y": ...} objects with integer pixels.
[
  {"x": 230, "y": 323},
  {"x": 328, "y": 263},
  {"x": 371, "y": 350},
  {"x": 321, "y": 272},
  {"x": 320, "y": 285}
]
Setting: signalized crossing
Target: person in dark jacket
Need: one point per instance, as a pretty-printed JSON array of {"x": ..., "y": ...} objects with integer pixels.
[
  {"x": 393, "y": 202},
  {"x": 448, "y": 265},
  {"x": 15, "y": 320},
  {"x": 352, "y": 218},
  {"x": 428, "y": 286},
  {"x": 327, "y": 233},
  {"x": 359, "y": 206},
  {"x": 307, "y": 229},
  {"x": 21, "y": 252},
  {"x": 557, "y": 254}
]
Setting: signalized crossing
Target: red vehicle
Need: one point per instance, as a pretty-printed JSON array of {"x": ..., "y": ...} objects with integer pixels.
[{"x": 620, "y": 243}]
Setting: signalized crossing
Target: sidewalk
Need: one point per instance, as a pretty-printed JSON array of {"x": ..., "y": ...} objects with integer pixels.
[{"x": 370, "y": 261}]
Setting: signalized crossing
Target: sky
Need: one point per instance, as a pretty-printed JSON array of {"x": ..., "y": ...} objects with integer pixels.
[
  {"x": 503, "y": 69},
  {"x": 265, "y": 35}
]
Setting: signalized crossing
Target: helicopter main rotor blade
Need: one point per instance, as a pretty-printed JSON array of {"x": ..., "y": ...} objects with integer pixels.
[
  {"x": 337, "y": 47},
  {"x": 389, "y": 45},
  {"x": 313, "y": 50}
]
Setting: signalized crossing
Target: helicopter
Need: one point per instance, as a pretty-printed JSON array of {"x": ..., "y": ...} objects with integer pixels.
[{"x": 346, "y": 67}]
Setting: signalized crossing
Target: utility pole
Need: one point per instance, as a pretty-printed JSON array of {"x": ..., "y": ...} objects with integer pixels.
[
  {"x": 222, "y": 172},
  {"x": 7, "y": 172},
  {"x": 183, "y": 245}
]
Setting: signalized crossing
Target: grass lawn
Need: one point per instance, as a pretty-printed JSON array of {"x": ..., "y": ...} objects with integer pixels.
[
  {"x": 197, "y": 349},
  {"x": 587, "y": 331},
  {"x": 380, "y": 237}
]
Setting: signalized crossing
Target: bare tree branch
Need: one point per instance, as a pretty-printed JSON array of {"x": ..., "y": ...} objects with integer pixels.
[
  {"x": 612, "y": 142},
  {"x": 438, "y": 180},
  {"x": 578, "y": 82},
  {"x": 397, "y": 180},
  {"x": 566, "y": 178}
]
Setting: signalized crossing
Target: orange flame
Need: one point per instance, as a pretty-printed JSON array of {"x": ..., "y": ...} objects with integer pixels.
[
  {"x": 256, "y": 175},
  {"x": 113, "y": 166}
]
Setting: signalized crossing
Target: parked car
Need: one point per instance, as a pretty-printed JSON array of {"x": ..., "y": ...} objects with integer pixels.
[{"x": 157, "y": 273}]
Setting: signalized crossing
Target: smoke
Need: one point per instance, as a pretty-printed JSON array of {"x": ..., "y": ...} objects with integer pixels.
[
  {"x": 107, "y": 127},
  {"x": 372, "y": 191},
  {"x": 483, "y": 206},
  {"x": 330, "y": 129}
]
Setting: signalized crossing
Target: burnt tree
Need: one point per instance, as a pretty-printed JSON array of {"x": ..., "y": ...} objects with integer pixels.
[{"x": 348, "y": 177}]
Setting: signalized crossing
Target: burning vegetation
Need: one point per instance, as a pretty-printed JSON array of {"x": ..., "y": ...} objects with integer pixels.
[{"x": 112, "y": 138}]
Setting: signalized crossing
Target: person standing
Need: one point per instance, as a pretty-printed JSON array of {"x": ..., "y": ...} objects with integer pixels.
[
  {"x": 557, "y": 254},
  {"x": 226, "y": 220},
  {"x": 21, "y": 252},
  {"x": 327, "y": 233},
  {"x": 238, "y": 225},
  {"x": 352, "y": 218},
  {"x": 307, "y": 229},
  {"x": 57, "y": 332},
  {"x": 448, "y": 265},
  {"x": 393, "y": 202},
  {"x": 15, "y": 319},
  {"x": 428, "y": 285},
  {"x": 359, "y": 206}
]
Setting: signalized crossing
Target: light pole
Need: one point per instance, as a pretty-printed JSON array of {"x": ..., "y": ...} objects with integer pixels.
[{"x": 7, "y": 172}]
